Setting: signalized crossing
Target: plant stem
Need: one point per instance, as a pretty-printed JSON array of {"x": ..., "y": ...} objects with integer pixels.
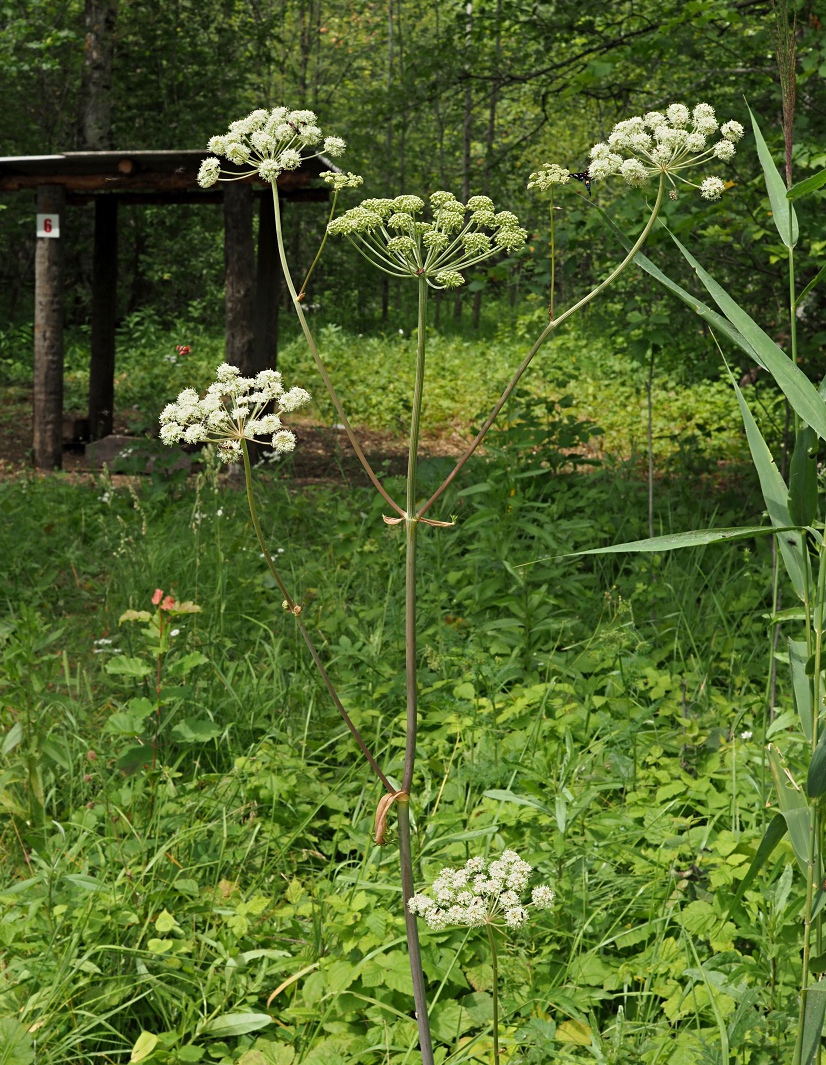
[
  {"x": 543, "y": 336},
  {"x": 412, "y": 930},
  {"x": 292, "y": 607},
  {"x": 814, "y": 864},
  {"x": 553, "y": 261},
  {"x": 494, "y": 964},
  {"x": 650, "y": 385},
  {"x": 303, "y": 291},
  {"x": 410, "y": 526},
  {"x": 322, "y": 369}
]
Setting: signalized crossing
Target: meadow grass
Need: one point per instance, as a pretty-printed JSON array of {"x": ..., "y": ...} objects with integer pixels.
[{"x": 590, "y": 714}]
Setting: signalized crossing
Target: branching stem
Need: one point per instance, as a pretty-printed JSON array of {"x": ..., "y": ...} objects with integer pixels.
[{"x": 543, "y": 336}]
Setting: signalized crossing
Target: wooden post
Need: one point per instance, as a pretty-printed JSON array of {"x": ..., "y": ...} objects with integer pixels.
[
  {"x": 48, "y": 330},
  {"x": 239, "y": 264},
  {"x": 267, "y": 286},
  {"x": 104, "y": 313}
]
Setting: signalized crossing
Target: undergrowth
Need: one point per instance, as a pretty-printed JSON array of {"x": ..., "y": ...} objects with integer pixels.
[{"x": 224, "y": 898}]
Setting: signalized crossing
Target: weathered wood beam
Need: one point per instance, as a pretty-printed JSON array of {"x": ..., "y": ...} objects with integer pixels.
[
  {"x": 104, "y": 315},
  {"x": 239, "y": 265},
  {"x": 140, "y": 179},
  {"x": 267, "y": 288},
  {"x": 298, "y": 195},
  {"x": 47, "y": 452}
]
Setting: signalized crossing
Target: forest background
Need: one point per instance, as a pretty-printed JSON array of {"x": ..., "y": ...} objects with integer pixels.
[{"x": 189, "y": 839}]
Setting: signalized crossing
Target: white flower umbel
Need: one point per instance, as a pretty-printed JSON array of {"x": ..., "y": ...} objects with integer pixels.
[
  {"x": 392, "y": 235},
  {"x": 648, "y": 145},
  {"x": 235, "y": 408},
  {"x": 266, "y": 143},
  {"x": 481, "y": 893}
]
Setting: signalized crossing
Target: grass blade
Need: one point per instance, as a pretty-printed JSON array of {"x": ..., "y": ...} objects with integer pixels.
[
  {"x": 772, "y": 836},
  {"x": 795, "y": 385},
  {"x": 672, "y": 541},
  {"x": 813, "y": 1021},
  {"x": 775, "y": 496},
  {"x": 794, "y": 808},
  {"x": 782, "y": 211},
  {"x": 809, "y": 184}
]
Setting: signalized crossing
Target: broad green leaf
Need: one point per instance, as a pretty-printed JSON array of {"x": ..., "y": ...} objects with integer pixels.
[
  {"x": 675, "y": 540},
  {"x": 818, "y": 964},
  {"x": 187, "y": 663},
  {"x": 801, "y": 685},
  {"x": 795, "y": 385},
  {"x": 235, "y": 1024},
  {"x": 193, "y": 730},
  {"x": 794, "y": 808},
  {"x": 772, "y": 836},
  {"x": 775, "y": 496},
  {"x": 807, "y": 185},
  {"x": 123, "y": 666},
  {"x": 813, "y": 1014},
  {"x": 714, "y": 319},
  {"x": 144, "y": 1045},
  {"x": 16, "y": 1043},
  {"x": 266, "y": 1052},
  {"x": 782, "y": 210},
  {"x": 134, "y": 758},
  {"x": 165, "y": 922},
  {"x": 12, "y": 738}
]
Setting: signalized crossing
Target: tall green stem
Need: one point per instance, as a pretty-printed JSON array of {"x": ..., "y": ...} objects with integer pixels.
[
  {"x": 296, "y": 612},
  {"x": 410, "y": 526},
  {"x": 322, "y": 369},
  {"x": 543, "y": 336},
  {"x": 494, "y": 964},
  {"x": 814, "y": 864}
]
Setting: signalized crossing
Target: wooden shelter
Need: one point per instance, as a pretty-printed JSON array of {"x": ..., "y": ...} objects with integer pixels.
[{"x": 114, "y": 179}]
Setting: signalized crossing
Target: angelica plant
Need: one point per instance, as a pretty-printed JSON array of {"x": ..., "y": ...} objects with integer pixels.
[
  {"x": 431, "y": 245},
  {"x": 483, "y": 894}
]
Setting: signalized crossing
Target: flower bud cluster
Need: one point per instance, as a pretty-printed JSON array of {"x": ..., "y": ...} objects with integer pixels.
[
  {"x": 480, "y": 893},
  {"x": 235, "y": 408},
  {"x": 394, "y": 238},
  {"x": 267, "y": 143},
  {"x": 657, "y": 143}
]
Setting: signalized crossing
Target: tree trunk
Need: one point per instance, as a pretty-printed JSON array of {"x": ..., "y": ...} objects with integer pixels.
[
  {"x": 467, "y": 130},
  {"x": 239, "y": 262},
  {"x": 104, "y": 317},
  {"x": 99, "y": 19},
  {"x": 48, "y": 333},
  {"x": 489, "y": 138},
  {"x": 267, "y": 285}
]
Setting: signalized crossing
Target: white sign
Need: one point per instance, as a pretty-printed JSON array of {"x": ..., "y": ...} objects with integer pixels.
[{"x": 48, "y": 225}]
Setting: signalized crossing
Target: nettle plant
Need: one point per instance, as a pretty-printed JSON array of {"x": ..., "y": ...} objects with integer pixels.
[{"x": 430, "y": 245}]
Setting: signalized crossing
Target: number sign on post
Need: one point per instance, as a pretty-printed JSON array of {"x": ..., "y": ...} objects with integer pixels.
[{"x": 48, "y": 225}]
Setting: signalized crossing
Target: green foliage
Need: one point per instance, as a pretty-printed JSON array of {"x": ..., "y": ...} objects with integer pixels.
[{"x": 598, "y": 736}]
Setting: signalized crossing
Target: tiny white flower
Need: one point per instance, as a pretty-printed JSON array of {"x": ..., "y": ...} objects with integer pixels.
[
  {"x": 746, "y": 735},
  {"x": 712, "y": 188}
]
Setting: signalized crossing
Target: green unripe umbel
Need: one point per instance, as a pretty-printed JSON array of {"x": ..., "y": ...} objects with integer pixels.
[{"x": 803, "y": 477}]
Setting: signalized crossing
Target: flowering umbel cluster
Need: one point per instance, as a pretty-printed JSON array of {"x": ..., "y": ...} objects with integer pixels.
[
  {"x": 656, "y": 143},
  {"x": 235, "y": 408},
  {"x": 480, "y": 892},
  {"x": 267, "y": 143},
  {"x": 392, "y": 235}
]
